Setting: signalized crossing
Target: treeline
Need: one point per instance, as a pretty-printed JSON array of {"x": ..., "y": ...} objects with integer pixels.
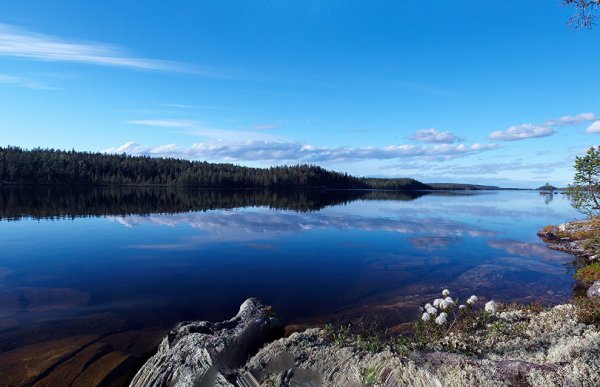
[
  {"x": 465, "y": 187},
  {"x": 58, "y": 167}
]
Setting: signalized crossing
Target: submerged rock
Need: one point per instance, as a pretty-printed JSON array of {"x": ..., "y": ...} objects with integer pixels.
[{"x": 208, "y": 354}]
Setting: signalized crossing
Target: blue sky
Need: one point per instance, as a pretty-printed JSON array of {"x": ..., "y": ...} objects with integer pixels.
[{"x": 498, "y": 92}]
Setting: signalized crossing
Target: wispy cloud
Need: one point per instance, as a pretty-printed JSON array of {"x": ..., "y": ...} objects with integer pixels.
[
  {"x": 480, "y": 168},
  {"x": 266, "y": 126},
  {"x": 174, "y": 123},
  {"x": 21, "y": 43},
  {"x": 13, "y": 80},
  {"x": 593, "y": 128},
  {"x": 434, "y": 135},
  {"x": 526, "y": 131},
  {"x": 572, "y": 120},
  {"x": 522, "y": 132},
  {"x": 280, "y": 151},
  {"x": 176, "y": 105}
]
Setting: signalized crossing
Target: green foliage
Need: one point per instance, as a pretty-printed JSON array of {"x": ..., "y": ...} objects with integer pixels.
[
  {"x": 404, "y": 346},
  {"x": 56, "y": 167},
  {"x": 586, "y": 183},
  {"x": 462, "y": 187},
  {"x": 340, "y": 336},
  {"x": 395, "y": 184},
  {"x": 370, "y": 342},
  {"x": 589, "y": 274},
  {"x": 371, "y": 376},
  {"x": 367, "y": 338}
]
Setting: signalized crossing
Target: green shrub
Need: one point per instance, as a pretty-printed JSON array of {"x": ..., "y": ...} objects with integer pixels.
[
  {"x": 588, "y": 311},
  {"x": 588, "y": 274}
]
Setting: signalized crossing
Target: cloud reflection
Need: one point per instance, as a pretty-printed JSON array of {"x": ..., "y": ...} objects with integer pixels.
[{"x": 243, "y": 225}]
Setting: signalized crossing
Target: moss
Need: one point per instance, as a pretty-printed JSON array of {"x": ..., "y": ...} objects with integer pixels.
[{"x": 589, "y": 274}]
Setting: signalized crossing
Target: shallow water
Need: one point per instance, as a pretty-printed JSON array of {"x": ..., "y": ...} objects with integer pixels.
[{"x": 101, "y": 261}]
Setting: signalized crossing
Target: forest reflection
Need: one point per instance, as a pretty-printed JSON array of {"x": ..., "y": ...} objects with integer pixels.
[{"x": 52, "y": 202}]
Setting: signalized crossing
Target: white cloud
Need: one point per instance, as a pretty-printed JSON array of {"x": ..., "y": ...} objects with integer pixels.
[
  {"x": 21, "y": 43},
  {"x": 572, "y": 120},
  {"x": 262, "y": 150},
  {"x": 525, "y": 131},
  {"x": 164, "y": 123},
  {"x": 434, "y": 135},
  {"x": 522, "y": 132},
  {"x": 593, "y": 128}
]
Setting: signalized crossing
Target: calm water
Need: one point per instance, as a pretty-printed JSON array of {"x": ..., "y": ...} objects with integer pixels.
[{"x": 101, "y": 260}]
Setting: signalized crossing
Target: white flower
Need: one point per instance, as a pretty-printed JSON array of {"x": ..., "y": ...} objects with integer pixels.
[
  {"x": 426, "y": 317},
  {"x": 428, "y": 305},
  {"x": 462, "y": 307},
  {"x": 490, "y": 306},
  {"x": 441, "y": 319},
  {"x": 449, "y": 300},
  {"x": 431, "y": 310},
  {"x": 437, "y": 301},
  {"x": 443, "y": 304},
  {"x": 473, "y": 299},
  {"x": 445, "y": 292}
]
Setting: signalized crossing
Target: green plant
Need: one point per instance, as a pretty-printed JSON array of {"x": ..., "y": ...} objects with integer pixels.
[
  {"x": 589, "y": 274},
  {"x": 369, "y": 342},
  {"x": 403, "y": 346},
  {"x": 339, "y": 336},
  {"x": 371, "y": 375},
  {"x": 583, "y": 192},
  {"x": 588, "y": 311}
]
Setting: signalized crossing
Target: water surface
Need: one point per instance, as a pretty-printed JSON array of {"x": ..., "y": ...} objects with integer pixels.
[{"x": 108, "y": 260}]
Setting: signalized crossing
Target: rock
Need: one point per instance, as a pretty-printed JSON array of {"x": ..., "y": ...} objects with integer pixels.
[
  {"x": 26, "y": 365},
  {"x": 594, "y": 291},
  {"x": 108, "y": 370},
  {"x": 206, "y": 354},
  {"x": 552, "y": 349},
  {"x": 571, "y": 237},
  {"x": 66, "y": 372}
]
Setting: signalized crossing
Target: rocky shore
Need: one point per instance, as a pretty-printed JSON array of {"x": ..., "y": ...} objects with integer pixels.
[
  {"x": 519, "y": 347},
  {"x": 510, "y": 345}
]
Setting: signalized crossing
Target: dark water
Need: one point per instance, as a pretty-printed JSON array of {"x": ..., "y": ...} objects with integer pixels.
[{"x": 102, "y": 260}]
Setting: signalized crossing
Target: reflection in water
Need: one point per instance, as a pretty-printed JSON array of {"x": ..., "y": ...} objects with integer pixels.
[
  {"x": 140, "y": 260},
  {"x": 60, "y": 202},
  {"x": 548, "y": 196}
]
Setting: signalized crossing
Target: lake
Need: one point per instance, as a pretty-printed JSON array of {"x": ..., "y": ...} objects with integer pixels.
[{"x": 106, "y": 261}]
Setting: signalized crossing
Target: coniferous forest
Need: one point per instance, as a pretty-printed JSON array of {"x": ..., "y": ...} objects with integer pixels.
[{"x": 73, "y": 168}]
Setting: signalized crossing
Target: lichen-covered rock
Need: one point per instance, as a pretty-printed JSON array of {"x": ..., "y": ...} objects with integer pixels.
[
  {"x": 540, "y": 349},
  {"x": 594, "y": 291},
  {"x": 572, "y": 237},
  {"x": 208, "y": 354}
]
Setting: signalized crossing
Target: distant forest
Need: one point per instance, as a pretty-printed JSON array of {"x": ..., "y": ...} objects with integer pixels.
[{"x": 57, "y": 167}]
